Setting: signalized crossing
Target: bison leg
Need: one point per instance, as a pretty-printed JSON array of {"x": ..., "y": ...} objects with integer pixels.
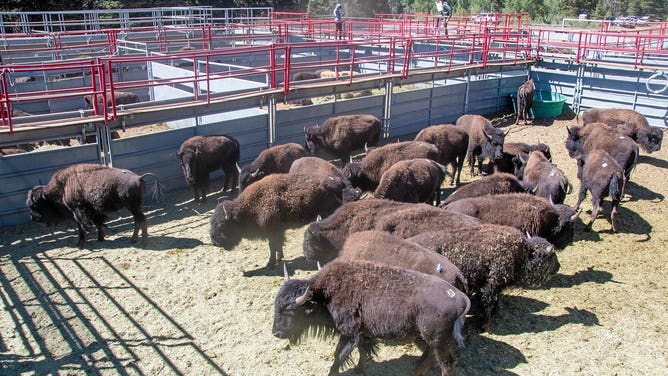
[
  {"x": 445, "y": 358},
  {"x": 276, "y": 241},
  {"x": 581, "y": 195},
  {"x": 81, "y": 219},
  {"x": 343, "y": 349},
  {"x": 426, "y": 361},
  {"x": 99, "y": 223},
  {"x": 596, "y": 207},
  {"x": 365, "y": 348},
  {"x": 489, "y": 298},
  {"x": 140, "y": 221}
]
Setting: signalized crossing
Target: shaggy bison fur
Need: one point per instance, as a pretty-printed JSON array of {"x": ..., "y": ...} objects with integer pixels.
[
  {"x": 543, "y": 178},
  {"x": 495, "y": 184},
  {"x": 367, "y": 173},
  {"x": 485, "y": 141},
  {"x": 602, "y": 176},
  {"x": 412, "y": 180},
  {"x": 87, "y": 193},
  {"x": 119, "y": 97},
  {"x": 382, "y": 248},
  {"x": 267, "y": 208},
  {"x": 200, "y": 155},
  {"x": 319, "y": 166},
  {"x": 629, "y": 123},
  {"x": 452, "y": 143},
  {"x": 275, "y": 160},
  {"x": 364, "y": 302},
  {"x": 524, "y": 101},
  {"x": 510, "y": 158},
  {"x": 341, "y": 135},
  {"x": 492, "y": 257},
  {"x": 528, "y": 213}
]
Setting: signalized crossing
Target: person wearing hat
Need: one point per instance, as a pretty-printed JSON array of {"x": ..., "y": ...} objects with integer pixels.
[{"x": 338, "y": 19}]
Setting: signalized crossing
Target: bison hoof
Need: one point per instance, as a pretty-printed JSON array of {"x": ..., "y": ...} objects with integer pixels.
[{"x": 133, "y": 240}]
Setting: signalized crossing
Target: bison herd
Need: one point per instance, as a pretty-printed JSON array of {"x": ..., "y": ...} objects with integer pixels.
[{"x": 394, "y": 263}]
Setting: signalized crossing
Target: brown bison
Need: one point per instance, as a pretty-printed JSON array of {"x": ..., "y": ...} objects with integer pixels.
[
  {"x": 492, "y": 257},
  {"x": 495, "y": 184},
  {"x": 528, "y": 213},
  {"x": 382, "y": 248},
  {"x": 602, "y": 176},
  {"x": 524, "y": 101},
  {"x": 87, "y": 193},
  {"x": 543, "y": 178},
  {"x": 275, "y": 160},
  {"x": 366, "y": 174},
  {"x": 119, "y": 97},
  {"x": 267, "y": 208},
  {"x": 200, "y": 155},
  {"x": 628, "y": 123},
  {"x": 364, "y": 302},
  {"x": 319, "y": 166},
  {"x": 510, "y": 158},
  {"x": 341, "y": 135},
  {"x": 412, "y": 180},
  {"x": 452, "y": 143},
  {"x": 485, "y": 141}
]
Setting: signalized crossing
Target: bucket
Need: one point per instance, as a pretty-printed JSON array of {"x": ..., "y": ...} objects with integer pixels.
[{"x": 546, "y": 104}]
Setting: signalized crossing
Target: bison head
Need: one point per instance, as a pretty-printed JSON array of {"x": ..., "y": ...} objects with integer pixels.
[
  {"x": 313, "y": 138},
  {"x": 563, "y": 232},
  {"x": 541, "y": 264},
  {"x": 188, "y": 159},
  {"x": 248, "y": 175},
  {"x": 44, "y": 209},
  {"x": 316, "y": 246},
  {"x": 574, "y": 142},
  {"x": 226, "y": 231},
  {"x": 296, "y": 312},
  {"x": 650, "y": 138},
  {"x": 493, "y": 148}
]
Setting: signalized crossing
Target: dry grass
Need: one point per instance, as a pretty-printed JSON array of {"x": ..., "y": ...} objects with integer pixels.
[{"x": 185, "y": 306}]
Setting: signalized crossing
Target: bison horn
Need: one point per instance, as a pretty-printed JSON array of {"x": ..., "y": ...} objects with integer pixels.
[
  {"x": 366, "y": 149},
  {"x": 576, "y": 215},
  {"x": 319, "y": 267},
  {"x": 227, "y": 216},
  {"x": 318, "y": 218},
  {"x": 285, "y": 273},
  {"x": 238, "y": 168},
  {"x": 528, "y": 235},
  {"x": 300, "y": 300},
  {"x": 254, "y": 173}
]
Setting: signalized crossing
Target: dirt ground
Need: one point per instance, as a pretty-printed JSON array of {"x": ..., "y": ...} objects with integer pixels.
[{"x": 184, "y": 306}]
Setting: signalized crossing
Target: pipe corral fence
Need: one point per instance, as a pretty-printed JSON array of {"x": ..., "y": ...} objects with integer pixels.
[{"x": 205, "y": 71}]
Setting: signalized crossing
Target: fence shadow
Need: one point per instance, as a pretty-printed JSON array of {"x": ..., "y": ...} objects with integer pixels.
[{"x": 57, "y": 299}]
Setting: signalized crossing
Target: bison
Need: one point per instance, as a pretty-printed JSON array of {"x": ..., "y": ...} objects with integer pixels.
[
  {"x": 528, "y": 213},
  {"x": 319, "y": 166},
  {"x": 492, "y": 257},
  {"x": 510, "y": 158},
  {"x": 266, "y": 208},
  {"x": 583, "y": 139},
  {"x": 485, "y": 141},
  {"x": 341, "y": 135},
  {"x": 452, "y": 143},
  {"x": 119, "y": 97},
  {"x": 543, "y": 178},
  {"x": 382, "y": 248},
  {"x": 629, "y": 123},
  {"x": 412, "y": 180},
  {"x": 602, "y": 176},
  {"x": 200, "y": 155},
  {"x": 367, "y": 173},
  {"x": 10, "y": 151},
  {"x": 525, "y": 100},
  {"x": 87, "y": 193},
  {"x": 275, "y": 160},
  {"x": 363, "y": 302},
  {"x": 495, "y": 184}
]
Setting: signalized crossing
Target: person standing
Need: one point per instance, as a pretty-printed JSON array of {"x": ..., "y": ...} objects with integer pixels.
[
  {"x": 444, "y": 10},
  {"x": 338, "y": 19}
]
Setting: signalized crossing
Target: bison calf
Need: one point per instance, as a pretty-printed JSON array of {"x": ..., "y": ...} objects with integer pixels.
[
  {"x": 524, "y": 101},
  {"x": 451, "y": 142},
  {"x": 275, "y": 160},
  {"x": 485, "y": 141},
  {"x": 363, "y": 302},
  {"x": 265, "y": 209},
  {"x": 200, "y": 155},
  {"x": 495, "y": 184},
  {"x": 543, "y": 178},
  {"x": 88, "y": 192}
]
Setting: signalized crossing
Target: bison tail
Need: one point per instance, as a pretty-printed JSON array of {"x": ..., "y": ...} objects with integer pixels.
[
  {"x": 157, "y": 190},
  {"x": 459, "y": 324},
  {"x": 614, "y": 188}
]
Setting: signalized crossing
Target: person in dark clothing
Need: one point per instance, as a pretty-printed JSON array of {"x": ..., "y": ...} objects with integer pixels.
[{"x": 338, "y": 18}]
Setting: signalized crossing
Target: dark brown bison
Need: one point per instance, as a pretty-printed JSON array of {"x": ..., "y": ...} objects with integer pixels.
[
  {"x": 275, "y": 160},
  {"x": 267, "y": 208},
  {"x": 485, "y": 141},
  {"x": 301, "y": 76},
  {"x": 628, "y": 123},
  {"x": 530, "y": 214},
  {"x": 492, "y": 257},
  {"x": 495, "y": 184},
  {"x": 510, "y": 158},
  {"x": 87, "y": 193},
  {"x": 200, "y": 155},
  {"x": 341, "y": 135},
  {"x": 418, "y": 218},
  {"x": 412, "y": 180},
  {"x": 319, "y": 166},
  {"x": 120, "y": 97},
  {"x": 382, "y": 248},
  {"x": 583, "y": 139},
  {"x": 364, "y": 302},
  {"x": 452, "y": 143},
  {"x": 602, "y": 176},
  {"x": 525, "y": 101},
  {"x": 543, "y": 178},
  {"x": 366, "y": 174}
]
